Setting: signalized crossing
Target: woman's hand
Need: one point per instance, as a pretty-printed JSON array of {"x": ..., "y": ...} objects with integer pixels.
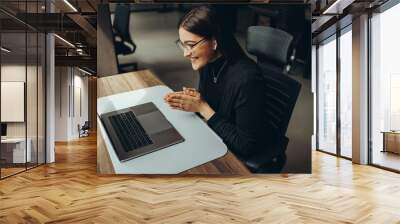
[{"x": 189, "y": 100}]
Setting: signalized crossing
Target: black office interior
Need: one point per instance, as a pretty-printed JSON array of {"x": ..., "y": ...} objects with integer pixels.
[{"x": 144, "y": 36}]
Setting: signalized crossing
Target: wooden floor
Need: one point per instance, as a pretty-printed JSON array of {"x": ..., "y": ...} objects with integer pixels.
[{"x": 69, "y": 191}]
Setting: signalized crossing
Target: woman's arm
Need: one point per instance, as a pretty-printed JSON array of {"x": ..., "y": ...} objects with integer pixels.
[
  {"x": 243, "y": 135},
  {"x": 249, "y": 128}
]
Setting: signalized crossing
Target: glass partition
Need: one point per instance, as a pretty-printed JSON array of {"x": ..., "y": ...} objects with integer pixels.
[
  {"x": 22, "y": 88},
  {"x": 13, "y": 105}
]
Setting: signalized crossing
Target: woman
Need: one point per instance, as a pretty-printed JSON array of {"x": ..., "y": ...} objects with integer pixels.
[{"x": 231, "y": 87}]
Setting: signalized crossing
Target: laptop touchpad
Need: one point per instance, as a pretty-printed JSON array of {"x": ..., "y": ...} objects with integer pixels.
[{"x": 153, "y": 122}]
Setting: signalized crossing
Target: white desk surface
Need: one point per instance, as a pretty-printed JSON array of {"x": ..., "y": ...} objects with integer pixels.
[
  {"x": 13, "y": 140},
  {"x": 201, "y": 144}
]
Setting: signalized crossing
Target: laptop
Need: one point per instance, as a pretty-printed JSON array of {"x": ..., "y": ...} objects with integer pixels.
[{"x": 139, "y": 130}]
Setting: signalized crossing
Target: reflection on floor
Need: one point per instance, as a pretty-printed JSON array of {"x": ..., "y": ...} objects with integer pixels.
[
  {"x": 5, "y": 172},
  {"x": 11, "y": 169},
  {"x": 386, "y": 159}
]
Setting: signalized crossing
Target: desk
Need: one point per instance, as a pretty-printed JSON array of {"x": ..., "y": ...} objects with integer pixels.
[
  {"x": 391, "y": 141},
  {"x": 16, "y": 154},
  {"x": 228, "y": 164}
]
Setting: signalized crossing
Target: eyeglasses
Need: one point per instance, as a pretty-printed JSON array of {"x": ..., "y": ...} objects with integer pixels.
[{"x": 188, "y": 47}]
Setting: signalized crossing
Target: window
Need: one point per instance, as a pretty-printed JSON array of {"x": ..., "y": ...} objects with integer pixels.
[
  {"x": 327, "y": 96},
  {"x": 346, "y": 93},
  {"x": 385, "y": 88},
  {"x": 330, "y": 80}
]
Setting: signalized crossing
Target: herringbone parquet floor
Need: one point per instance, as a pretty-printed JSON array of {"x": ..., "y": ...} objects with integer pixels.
[{"x": 69, "y": 191}]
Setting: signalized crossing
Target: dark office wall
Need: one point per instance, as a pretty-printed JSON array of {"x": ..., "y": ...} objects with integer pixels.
[{"x": 107, "y": 63}]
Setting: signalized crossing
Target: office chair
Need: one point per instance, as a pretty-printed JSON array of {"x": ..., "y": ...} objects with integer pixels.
[
  {"x": 271, "y": 47},
  {"x": 122, "y": 38},
  {"x": 280, "y": 96},
  {"x": 84, "y": 130}
]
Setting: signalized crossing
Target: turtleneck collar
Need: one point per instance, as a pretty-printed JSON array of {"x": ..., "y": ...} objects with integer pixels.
[{"x": 217, "y": 63}]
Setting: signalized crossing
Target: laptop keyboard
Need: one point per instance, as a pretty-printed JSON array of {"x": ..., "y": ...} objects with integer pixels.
[{"x": 129, "y": 131}]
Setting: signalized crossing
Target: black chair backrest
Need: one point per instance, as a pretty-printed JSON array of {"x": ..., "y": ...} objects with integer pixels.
[
  {"x": 269, "y": 43},
  {"x": 86, "y": 125},
  {"x": 121, "y": 22},
  {"x": 281, "y": 96},
  {"x": 270, "y": 46}
]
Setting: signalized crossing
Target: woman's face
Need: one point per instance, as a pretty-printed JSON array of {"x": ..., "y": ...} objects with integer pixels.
[{"x": 200, "y": 54}]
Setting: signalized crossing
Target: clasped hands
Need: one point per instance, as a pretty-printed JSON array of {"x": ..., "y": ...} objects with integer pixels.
[{"x": 190, "y": 100}]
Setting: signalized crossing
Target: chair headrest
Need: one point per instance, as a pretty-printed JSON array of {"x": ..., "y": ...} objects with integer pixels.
[
  {"x": 121, "y": 21},
  {"x": 268, "y": 43}
]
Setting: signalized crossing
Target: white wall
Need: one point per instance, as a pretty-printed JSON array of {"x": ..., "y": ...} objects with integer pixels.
[
  {"x": 12, "y": 101},
  {"x": 15, "y": 73},
  {"x": 33, "y": 126},
  {"x": 80, "y": 97},
  {"x": 70, "y": 83},
  {"x": 61, "y": 103},
  {"x": 82, "y": 83}
]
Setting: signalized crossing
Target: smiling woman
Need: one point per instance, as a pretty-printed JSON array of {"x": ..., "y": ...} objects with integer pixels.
[
  {"x": 231, "y": 89},
  {"x": 203, "y": 39}
]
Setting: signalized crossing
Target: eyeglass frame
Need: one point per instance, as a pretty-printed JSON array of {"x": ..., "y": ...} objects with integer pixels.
[{"x": 179, "y": 43}]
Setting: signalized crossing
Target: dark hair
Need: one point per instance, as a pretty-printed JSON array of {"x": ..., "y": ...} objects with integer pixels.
[{"x": 205, "y": 21}]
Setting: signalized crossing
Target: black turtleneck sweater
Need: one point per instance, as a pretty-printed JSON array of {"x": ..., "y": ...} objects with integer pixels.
[{"x": 237, "y": 99}]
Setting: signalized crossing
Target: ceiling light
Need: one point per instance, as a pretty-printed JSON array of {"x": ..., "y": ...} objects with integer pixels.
[
  {"x": 70, "y": 5},
  {"x": 337, "y": 7},
  {"x": 65, "y": 41},
  {"x": 5, "y": 50},
  {"x": 84, "y": 71}
]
